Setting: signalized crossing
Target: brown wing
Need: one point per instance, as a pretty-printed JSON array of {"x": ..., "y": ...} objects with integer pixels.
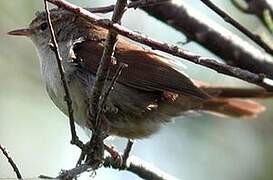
[{"x": 146, "y": 70}]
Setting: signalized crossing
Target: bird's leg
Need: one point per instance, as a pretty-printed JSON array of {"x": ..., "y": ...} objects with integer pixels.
[{"x": 120, "y": 159}]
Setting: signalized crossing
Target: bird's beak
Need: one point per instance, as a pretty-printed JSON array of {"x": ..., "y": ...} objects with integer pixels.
[{"x": 21, "y": 32}]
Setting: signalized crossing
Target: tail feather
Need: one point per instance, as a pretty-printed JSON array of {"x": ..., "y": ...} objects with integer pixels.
[
  {"x": 237, "y": 92},
  {"x": 233, "y": 92},
  {"x": 233, "y": 107}
]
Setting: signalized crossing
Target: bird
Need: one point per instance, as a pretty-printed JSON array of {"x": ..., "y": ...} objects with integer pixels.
[{"x": 149, "y": 92}]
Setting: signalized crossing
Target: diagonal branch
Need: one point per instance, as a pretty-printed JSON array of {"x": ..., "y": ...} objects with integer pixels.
[
  {"x": 211, "y": 63},
  {"x": 261, "y": 8},
  {"x": 11, "y": 162},
  {"x": 109, "y": 88},
  {"x": 54, "y": 46},
  {"x": 254, "y": 37},
  {"x": 135, "y": 4},
  {"x": 230, "y": 47}
]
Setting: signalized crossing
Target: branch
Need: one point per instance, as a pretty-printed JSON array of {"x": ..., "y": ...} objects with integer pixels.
[
  {"x": 134, "y": 165},
  {"x": 106, "y": 58},
  {"x": 110, "y": 87},
  {"x": 231, "y": 48},
  {"x": 73, "y": 173},
  {"x": 261, "y": 8},
  {"x": 136, "y": 4},
  {"x": 70, "y": 174},
  {"x": 54, "y": 46},
  {"x": 127, "y": 151},
  {"x": 254, "y": 37},
  {"x": 11, "y": 162},
  {"x": 96, "y": 151},
  {"x": 140, "y": 168},
  {"x": 245, "y": 75},
  {"x": 131, "y": 164}
]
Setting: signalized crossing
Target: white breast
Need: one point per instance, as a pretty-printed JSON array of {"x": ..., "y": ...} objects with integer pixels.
[{"x": 51, "y": 78}]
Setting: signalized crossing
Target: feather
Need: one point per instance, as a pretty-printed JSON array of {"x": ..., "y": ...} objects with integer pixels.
[
  {"x": 233, "y": 107},
  {"x": 146, "y": 70}
]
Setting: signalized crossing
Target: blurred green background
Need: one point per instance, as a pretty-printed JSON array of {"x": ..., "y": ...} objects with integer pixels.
[{"x": 197, "y": 148}]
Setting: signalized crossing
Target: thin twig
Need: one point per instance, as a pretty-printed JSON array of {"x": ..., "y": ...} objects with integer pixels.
[
  {"x": 11, "y": 162},
  {"x": 127, "y": 151},
  {"x": 211, "y": 63},
  {"x": 46, "y": 177},
  {"x": 96, "y": 151},
  {"x": 74, "y": 139},
  {"x": 106, "y": 59},
  {"x": 136, "y": 4},
  {"x": 81, "y": 158},
  {"x": 241, "y": 6},
  {"x": 110, "y": 87},
  {"x": 254, "y": 37},
  {"x": 261, "y": 8}
]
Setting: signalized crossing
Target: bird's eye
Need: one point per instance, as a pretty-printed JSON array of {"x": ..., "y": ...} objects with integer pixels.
[{"x": 43, "y": 26}]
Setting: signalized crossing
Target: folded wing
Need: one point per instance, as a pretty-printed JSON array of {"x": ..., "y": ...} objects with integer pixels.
[{"x": 146, "y": 70}]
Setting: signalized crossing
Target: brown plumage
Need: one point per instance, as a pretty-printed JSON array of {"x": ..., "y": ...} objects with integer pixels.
[
  {"x": 149, "y": 91},
  {"x": 158, "y": 91},
  {"x": 146, "y": 70}
]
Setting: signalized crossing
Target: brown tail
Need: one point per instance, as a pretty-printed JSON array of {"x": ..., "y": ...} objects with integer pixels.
[
  {"x": 233, "y": 92},
  {"x": 233, "y": 107},
  {"x": 228, "y": 101}
]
